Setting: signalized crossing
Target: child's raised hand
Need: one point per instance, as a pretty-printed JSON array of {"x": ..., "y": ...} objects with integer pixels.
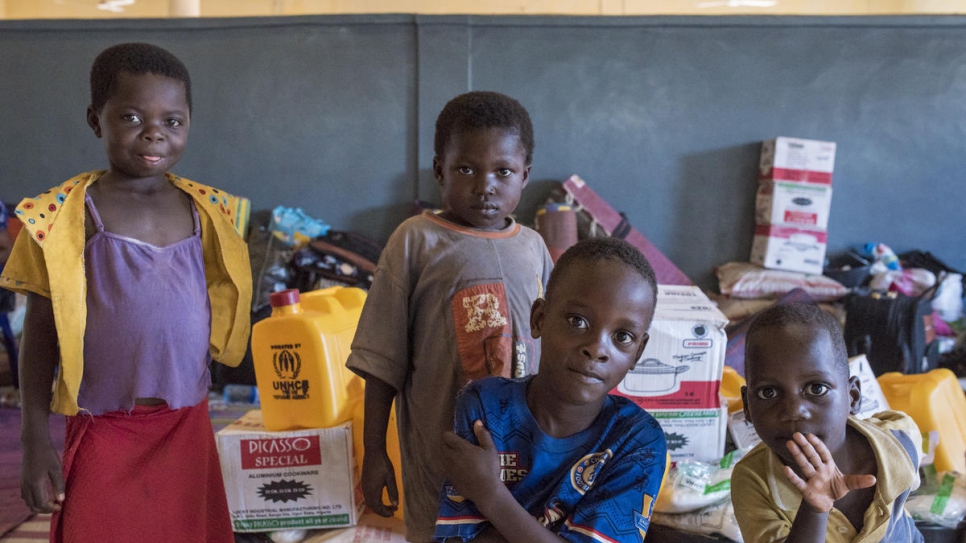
[
  {"x": 823, "y": 483},
  {"x": 473, "y": 470}
]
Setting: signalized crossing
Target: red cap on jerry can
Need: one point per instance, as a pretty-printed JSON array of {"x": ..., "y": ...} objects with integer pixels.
[{"x": 284, "y": 297}]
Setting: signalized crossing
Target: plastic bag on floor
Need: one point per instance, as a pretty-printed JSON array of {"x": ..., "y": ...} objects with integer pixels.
[
  {"x": 288, "y": 536},
  {"x": 940, "y": 499},
  {"x": 693, "y": 485},
  {"x": 948, "y": 302},
  {"x": 717, "y": 519}
]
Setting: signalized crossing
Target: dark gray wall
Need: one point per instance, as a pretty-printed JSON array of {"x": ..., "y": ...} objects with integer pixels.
[{"x": 663, "y": 116}]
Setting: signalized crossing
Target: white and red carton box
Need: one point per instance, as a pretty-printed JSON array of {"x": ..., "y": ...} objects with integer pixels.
[
  {"x": 782, "y": 203},
  {"x": 742, "y": 432},
  {"x": 796, "y": 159},
  {"x": 300, "y": 479},
  {"x": 873, "y": 400},
  {"x": 682, "y": 364},
  {"x": 789, "y": 248},
  {"x": 694, "y": 434},
  {"x": 681, "y": 294}
]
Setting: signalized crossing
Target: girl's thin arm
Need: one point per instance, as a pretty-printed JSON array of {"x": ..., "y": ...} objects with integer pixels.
[{"x": 39, "y": 354}]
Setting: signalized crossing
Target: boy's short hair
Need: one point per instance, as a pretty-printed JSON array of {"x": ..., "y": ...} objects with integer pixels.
[
  {"x": 136, "y": 59},
  {"x": 799, "y": 314},
  {"x": 604, "y": 248},
  {"x": 483, "y": 109}
]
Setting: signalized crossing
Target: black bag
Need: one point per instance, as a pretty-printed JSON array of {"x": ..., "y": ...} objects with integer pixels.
[
  {"x": 337, "y": 258},
  {"x": 893, "y": 330}
]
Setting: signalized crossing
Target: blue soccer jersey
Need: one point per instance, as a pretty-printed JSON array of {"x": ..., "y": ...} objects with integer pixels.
[{"x": 597, "y": 485}]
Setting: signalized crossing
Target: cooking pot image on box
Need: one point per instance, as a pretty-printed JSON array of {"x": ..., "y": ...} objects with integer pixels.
[{"x": 653, "y": 378}]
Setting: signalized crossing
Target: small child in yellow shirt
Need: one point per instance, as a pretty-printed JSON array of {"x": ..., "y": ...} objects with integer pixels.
[{"x": 820, "y": 474}]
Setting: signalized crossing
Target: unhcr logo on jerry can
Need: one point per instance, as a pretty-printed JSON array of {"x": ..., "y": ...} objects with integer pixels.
[{"x": 287, "y": 363}]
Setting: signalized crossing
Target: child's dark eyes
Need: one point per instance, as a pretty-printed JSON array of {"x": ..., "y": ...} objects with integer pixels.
[
  {"x": 577, "y": 321},
  {"x": 174, "y": 123},
  {"x": 132, "y": 119},
  {"x": 817, "y": 389},
  {"x": 465, "y": 170},
  {"x": 624, "y": 338},
  {"x": 504, "y": 172},
  {"x": 766, "y": 393}
]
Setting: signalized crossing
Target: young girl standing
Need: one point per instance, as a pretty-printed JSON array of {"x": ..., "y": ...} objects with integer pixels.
[{"x": 135, "y": 278}]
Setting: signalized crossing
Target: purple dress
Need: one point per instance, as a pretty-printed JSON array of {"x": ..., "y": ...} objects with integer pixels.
[{"x": 148, "y": 321}]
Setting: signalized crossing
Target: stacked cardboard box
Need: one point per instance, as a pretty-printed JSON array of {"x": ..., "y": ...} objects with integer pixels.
[
  {"x": 299, "y": 479},
  {"x": 679, "y": 375},
  {"x": 792, "y": 205}
]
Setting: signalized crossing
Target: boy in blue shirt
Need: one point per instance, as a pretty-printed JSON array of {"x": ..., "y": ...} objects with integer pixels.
[
  {"x": 553, "y": 456},
  {"x": 820, "y": 474}
]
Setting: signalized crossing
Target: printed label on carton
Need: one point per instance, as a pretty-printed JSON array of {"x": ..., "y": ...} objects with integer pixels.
[
  {"x": 290, "y": 452},
  {"x": 694, "y": 434},
  {"x": 682, "y": 364},
  {"x": 795, "y": 159},
  {"x": 795, "y": 204},
  {"x": 681, "y": 294},
  {"x": 789, "y": 248},
  {"x": 287, "y": 480}
]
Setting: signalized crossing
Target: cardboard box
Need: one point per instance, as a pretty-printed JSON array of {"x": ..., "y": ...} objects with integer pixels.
[
  {"x": 679, "y": 294},
  {"x": 789, "y": 248},
  {"x": 795, "y": 159},
  {"x": 371, "y": 528},
  {"x": 742, "y": 432},
  {"x": 873, "y": 400},
  {"x": 682, "y": 364},
  {"x": 300, "y": 479},
  {"x": 793, "y": 204},
  {"x": 694, "y": 434}
]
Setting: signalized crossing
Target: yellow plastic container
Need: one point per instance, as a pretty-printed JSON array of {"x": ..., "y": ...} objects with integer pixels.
[
  {"x": 731, "y": 383},
  {"x": 299, "y": 353},
  {"x": 343, "y": 305},
  {"x": 935, "y": 401}
]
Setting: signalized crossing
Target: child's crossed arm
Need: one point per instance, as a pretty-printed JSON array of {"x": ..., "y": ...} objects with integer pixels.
[{"x": 475, "y": 472}]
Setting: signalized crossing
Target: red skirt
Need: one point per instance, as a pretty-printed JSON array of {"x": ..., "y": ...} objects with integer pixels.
[{"x": 148, "y": 476}]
